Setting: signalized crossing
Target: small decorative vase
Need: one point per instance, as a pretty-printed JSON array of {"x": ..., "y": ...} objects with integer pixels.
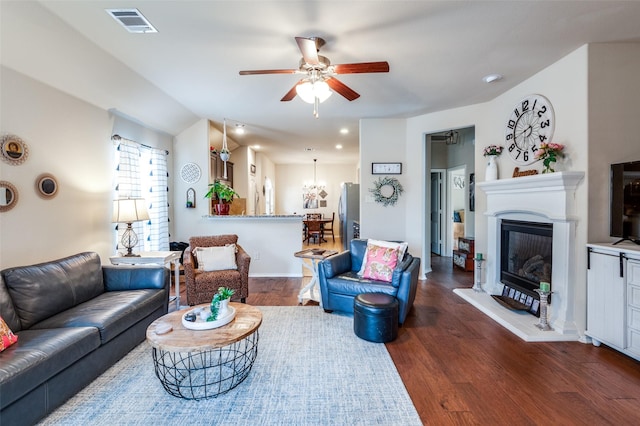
[
  {"x": 492, "y": 169},
  {"x": 547, "y": 168},
  {"x": 224, "y": 156},
  {"x": 223, "y": 306}
]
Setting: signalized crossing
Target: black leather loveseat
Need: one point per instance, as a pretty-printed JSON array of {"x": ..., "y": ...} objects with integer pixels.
[
  {"x": 74, "y": 319},
  {"x": 340, "y": 282}
]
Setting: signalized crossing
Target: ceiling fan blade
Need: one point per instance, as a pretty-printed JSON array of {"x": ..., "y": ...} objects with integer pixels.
[
  {"x": 342, "y": 88},
  {"x": 255, "y": 72},
  {"x": 291, "y": 93},
  {"x": 309, "y": 50},
  {"x": 363, "y": 67}
]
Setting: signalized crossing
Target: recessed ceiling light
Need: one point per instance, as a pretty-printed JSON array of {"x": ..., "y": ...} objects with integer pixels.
[
  {"x": 239, "y": 129},
  {"x": 256, "y": 147},
  {"x": 344, "y": 131},
  {"x": 491, "y": 78},
  {"x": 338, "y": 146}
]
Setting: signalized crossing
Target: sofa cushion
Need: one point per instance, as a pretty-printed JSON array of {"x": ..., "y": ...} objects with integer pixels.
[
  {"x": 39, "y": 355},
  {"x": 7, "y": 338},
  {"x": 216, "y": 258},
  {"x": 351, "y": 284},
  {"x": 6, "y": 308},
  {"x": 380, "y": 262},
  {"x": 400, "y": 246},
  {"x": 112, "y": 312},
  {"x": 46, "y": 289}
]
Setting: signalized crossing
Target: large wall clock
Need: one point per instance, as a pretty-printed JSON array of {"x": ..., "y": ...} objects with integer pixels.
[{"x": 531, "y": 123}]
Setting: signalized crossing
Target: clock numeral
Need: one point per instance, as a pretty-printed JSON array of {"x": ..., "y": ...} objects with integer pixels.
[
  {"x": 542, "y": 138},
  {"x": 525, "y": 105},
  {"x": 516, "y": 112},
  {"x": 525, "y": 156},
  {"x": 544, "y": 124},
  {"x": 511, "y": 124},
  {"x": 512, "y": 147},
  {"x": 534, "y": 105},
  {"x": 542, "y": 111},
  {"x": 509, "y": 136}
]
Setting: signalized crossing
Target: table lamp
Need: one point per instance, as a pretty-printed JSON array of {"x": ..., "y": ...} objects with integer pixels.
[{"x": 129, "y": 210}]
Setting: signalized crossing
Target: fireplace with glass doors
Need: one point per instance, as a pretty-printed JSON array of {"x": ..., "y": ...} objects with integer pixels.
[{"x": 525, "y": 261}]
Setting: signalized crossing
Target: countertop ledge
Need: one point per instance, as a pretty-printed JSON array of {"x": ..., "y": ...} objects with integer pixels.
[{"x": 254, "y": 217}]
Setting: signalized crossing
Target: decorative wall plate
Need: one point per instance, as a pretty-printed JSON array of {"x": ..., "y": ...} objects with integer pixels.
[
  {"x": 190, "y": 173},
  {"x": 14, "y": 150}
]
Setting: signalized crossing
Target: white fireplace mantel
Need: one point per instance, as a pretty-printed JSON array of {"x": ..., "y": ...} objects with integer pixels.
[{"x": 544, "y": 198}]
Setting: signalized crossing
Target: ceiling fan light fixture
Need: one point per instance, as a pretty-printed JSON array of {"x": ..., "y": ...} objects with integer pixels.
[{"x": 309, "y": 91}]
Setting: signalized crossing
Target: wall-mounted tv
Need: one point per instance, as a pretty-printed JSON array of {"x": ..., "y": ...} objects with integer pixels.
[{"x": 625, "y": 201}]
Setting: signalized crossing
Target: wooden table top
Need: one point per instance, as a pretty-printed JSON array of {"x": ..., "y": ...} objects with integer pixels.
[
  {"x": 309, "y": 254},
  {"x": 180, "y": 339}
]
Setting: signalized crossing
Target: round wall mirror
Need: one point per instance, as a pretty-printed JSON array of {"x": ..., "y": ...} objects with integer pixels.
[
  {"x": 8, "y": 196},
  {"x": 14, "y": 150},
  {"x": 46, "y": 186}
]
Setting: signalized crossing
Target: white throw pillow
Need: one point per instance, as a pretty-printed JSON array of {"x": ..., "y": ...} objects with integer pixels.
[
  {"x": 401, "y": 247},
  {"x": 216, "y": 258}
]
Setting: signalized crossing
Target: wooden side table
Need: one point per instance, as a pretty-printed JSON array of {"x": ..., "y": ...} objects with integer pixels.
[
  {"x": 314, "y": 256},
  {"x": 198, "y": 364},
  {"x": 151, "y": 258}
]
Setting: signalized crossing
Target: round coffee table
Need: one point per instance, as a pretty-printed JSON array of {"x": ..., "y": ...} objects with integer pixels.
[{"x": 198, "y": 364}]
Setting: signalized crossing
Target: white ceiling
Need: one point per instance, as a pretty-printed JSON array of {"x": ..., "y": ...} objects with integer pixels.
[{"x": 438, "y": 52}]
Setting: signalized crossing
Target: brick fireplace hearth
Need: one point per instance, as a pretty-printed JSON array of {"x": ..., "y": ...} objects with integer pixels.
[{"x": 545, "y": 198}]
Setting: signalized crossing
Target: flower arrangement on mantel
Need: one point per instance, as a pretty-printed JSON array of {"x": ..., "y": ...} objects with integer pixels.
[
  {"x": 549, "y": 153},
  {"x": 494, "y": 150}
]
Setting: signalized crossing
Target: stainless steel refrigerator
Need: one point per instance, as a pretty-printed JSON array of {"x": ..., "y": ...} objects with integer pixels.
[{"x": 348, "y": 211}]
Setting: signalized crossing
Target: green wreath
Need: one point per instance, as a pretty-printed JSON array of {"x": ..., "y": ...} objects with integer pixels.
[{"x": 385, "y": 198}]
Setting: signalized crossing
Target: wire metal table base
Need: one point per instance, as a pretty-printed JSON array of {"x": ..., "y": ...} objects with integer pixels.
[{"x": 206, "y": 374}]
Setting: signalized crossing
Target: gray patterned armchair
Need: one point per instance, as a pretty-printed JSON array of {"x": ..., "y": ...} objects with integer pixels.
[{"x": 202, "y": 285}]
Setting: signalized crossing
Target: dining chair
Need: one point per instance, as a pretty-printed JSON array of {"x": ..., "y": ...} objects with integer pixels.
[
  {"x": 314, "y": 230},
  {"x": 328, "y": 227}
]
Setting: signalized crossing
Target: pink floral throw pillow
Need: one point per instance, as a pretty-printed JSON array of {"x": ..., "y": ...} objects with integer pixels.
[
  {"x": 7, "y": 338},
  {"x": 380, "y": 263}
]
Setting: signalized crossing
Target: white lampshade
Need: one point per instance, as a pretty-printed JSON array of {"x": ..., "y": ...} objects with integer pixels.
[
  {"x": 309, "y": 91},
  {"x": 128, "y": 210}
]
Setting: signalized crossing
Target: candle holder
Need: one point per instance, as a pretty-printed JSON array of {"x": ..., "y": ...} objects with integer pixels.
[
  {"x": 544, "y": 303},
  {"x": 477, "y": 286}
]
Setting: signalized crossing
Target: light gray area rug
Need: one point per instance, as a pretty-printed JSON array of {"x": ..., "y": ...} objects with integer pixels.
[{"x": 311, "y": 369}]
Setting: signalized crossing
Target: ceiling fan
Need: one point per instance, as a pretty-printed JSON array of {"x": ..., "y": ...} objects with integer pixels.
[{"x": 319, "y": 74}]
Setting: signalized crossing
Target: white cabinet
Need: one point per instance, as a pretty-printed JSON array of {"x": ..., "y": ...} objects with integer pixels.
[{"x": 613, "y": 296}]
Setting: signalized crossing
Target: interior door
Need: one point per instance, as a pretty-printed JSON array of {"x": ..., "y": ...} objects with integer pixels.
[{"x": 436, "y": 213}]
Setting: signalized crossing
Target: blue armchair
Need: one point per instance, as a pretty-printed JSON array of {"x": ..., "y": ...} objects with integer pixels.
[{"x": 340, "y": 283}]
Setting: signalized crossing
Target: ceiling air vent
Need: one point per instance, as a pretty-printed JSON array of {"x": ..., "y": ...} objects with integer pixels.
[{"x": 132, "y": 20}]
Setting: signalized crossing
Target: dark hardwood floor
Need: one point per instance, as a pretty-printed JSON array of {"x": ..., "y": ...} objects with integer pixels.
[{"x": 461, "y": 367}]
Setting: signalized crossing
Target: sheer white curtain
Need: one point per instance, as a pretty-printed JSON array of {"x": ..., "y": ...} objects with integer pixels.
[{"x": 141, "y": 172}]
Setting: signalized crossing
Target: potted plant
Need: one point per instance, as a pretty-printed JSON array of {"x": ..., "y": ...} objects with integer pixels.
[
  {"x": 220, "y": 302},
  {"x": 224, "y": 194}
]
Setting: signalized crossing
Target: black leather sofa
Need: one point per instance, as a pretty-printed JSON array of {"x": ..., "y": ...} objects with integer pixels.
[
  {"x": 74, "y": 319},
  {"x": 340, "y": 283}
]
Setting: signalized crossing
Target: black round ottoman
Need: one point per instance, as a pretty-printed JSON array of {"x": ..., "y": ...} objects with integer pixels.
[{"x": 375, "y": 317}]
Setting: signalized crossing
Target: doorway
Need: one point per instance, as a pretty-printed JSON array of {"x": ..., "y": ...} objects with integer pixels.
[
  {"x": 438, "y": 195},
  {"x": 456, "y": 206}
]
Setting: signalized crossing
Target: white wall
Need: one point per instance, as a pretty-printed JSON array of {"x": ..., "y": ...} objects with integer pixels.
[
  {"x": 385, "y": 141},
  {"x": 614, "y": 91},
  {"x": 291, "y": 177},
  {"x": 70, "y": 139}
]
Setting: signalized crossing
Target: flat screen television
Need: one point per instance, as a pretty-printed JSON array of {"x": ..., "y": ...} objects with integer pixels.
[{"x": 625, "y": 201}]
